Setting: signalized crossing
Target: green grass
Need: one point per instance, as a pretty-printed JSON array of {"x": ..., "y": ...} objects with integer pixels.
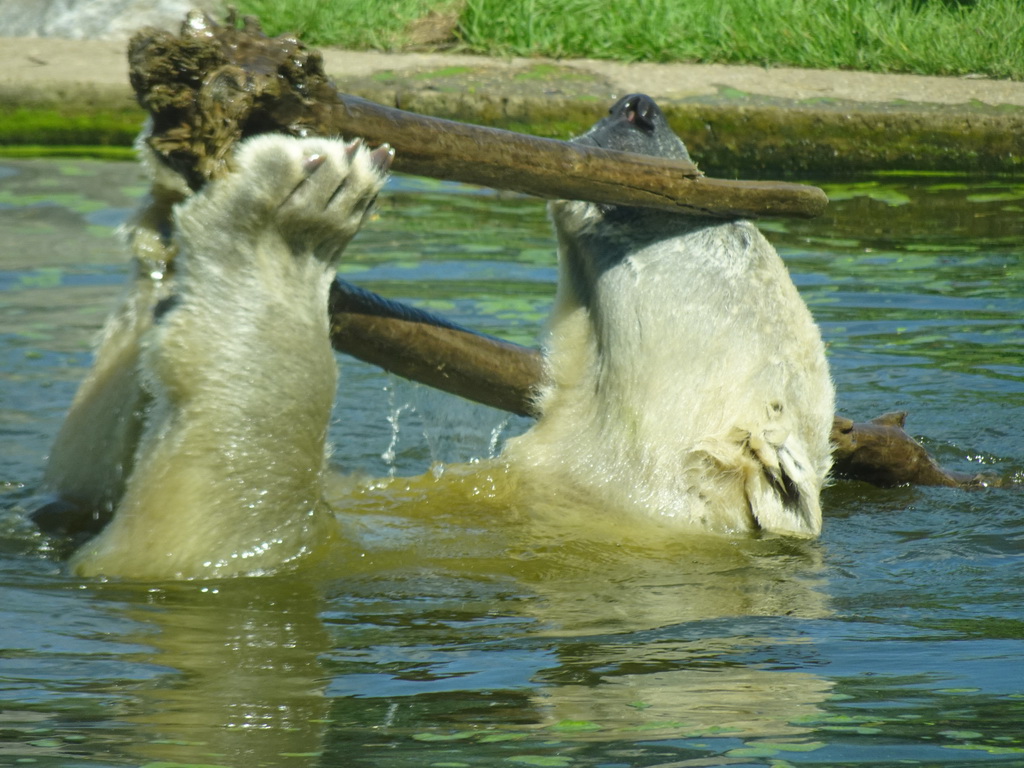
[
  {"x": 357, "y": 24},
  {"x": 940, "y": 37}
]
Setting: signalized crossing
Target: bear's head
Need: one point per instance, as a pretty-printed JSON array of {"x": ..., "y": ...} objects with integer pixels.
[{"x": 635, "y": 123}]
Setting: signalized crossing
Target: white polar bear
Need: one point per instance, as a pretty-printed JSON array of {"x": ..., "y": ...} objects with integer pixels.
[
  {"x": 687, "y": 379},
  {"x": 209, "y": 404},
  {"x": 687, "y": 382}
]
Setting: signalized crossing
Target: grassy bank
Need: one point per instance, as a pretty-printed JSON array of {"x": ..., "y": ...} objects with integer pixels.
[{"x": 940, "y": 37}]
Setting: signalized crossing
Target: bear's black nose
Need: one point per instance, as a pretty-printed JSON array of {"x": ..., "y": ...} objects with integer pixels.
[{"x": 637, "y": 108}]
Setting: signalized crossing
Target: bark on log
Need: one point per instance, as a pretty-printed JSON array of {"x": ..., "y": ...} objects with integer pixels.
[
  {"x": 422, "y": 347},
  {"x": 215, "y": 85}
]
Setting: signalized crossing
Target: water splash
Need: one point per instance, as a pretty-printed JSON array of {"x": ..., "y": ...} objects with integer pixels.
[
  {"x": 394, "y": 418},
  {"x": 494, "y": 445}
]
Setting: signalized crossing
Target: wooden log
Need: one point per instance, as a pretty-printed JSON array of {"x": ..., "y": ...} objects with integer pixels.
[
  {"x": 444, "y": 149},
  {"x": 214, "y": 85},
  {"x": 422, "y": 347}
]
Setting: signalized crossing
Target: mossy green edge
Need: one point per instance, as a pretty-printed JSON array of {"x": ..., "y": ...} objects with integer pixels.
[
  {"x": 68, "y": 150},
  {"x": 110, "y": 128}
]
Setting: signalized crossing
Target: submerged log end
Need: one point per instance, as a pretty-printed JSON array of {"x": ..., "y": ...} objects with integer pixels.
[{"x": 880, "y": 452}]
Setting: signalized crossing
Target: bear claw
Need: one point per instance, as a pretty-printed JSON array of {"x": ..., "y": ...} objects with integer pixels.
[
  {"x": 352, "y": 147},
  {"x": 312, "y": 162},
  {"x": 382, "y": 157}
]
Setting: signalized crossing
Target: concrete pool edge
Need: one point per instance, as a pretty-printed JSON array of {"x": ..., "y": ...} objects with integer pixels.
[{"x": 738, "y": 120}]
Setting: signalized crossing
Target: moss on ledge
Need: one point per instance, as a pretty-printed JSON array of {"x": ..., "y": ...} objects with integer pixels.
[{"x": 82, "y": 127}]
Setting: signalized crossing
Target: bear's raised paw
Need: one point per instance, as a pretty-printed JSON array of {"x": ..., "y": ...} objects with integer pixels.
[{"x": 312, "y": 193}]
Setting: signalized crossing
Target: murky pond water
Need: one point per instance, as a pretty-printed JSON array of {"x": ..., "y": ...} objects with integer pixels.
[{"x": 897, "y": 639}]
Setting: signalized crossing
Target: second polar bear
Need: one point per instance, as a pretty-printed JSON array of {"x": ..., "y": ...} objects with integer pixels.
[{"x": 687, "y": 379}]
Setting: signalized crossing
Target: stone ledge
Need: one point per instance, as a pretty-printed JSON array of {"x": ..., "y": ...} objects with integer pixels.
[{"x": 739, "y": 121}]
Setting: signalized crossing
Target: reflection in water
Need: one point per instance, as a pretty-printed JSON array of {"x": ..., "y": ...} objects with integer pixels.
[
  {"x": 586, "y": 639},
  {"x": 612, "y": 604},
  {"x": 740, "y": 700},
  {"x": 244, "y": 684},
  {"x": 619, "y": 671}
]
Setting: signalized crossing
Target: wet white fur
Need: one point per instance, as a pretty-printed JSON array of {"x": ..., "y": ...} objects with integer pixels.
[
  {"x": 238, "y": 377},
  {"x": 687, "y": 379}
]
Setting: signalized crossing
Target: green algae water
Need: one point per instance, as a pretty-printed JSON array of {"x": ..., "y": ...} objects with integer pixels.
[{"x": 897, "y": 639}]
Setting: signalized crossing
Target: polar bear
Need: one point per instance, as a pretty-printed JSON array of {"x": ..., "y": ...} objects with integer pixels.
[
  {"x": 687, "y": 380},
  {"x": 212, "y": 389}
]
